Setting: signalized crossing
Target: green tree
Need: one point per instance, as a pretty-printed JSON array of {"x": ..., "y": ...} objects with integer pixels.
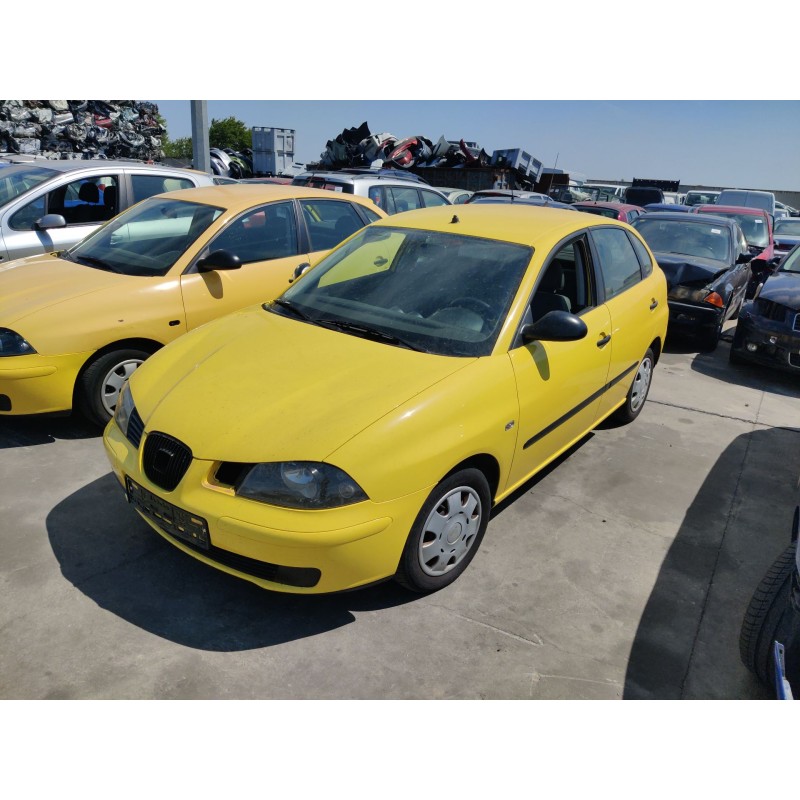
[
  {"x": 230, "y": 132},
  {"x": 180, "y": 148}
]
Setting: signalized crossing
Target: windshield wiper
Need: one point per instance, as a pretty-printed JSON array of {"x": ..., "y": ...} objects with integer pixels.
[
  {"x": 96, "y": 262},
  {"x": 371, "y": 333},
  {"x": 291, "y": 307}
]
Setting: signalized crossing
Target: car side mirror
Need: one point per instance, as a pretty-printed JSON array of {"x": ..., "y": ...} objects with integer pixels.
[
  {"x": 299, "y": 270},
  {"x": 744, "y": 258},
  {"x": 555, "y": 326},
  {"x": 219, "y": 259},
  {"x": 49, "y": 221}
]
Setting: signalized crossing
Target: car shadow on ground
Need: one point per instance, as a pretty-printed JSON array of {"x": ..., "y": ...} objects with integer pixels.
[
  {"x": 111, "y": 555},
  {"x": 34, "y": 430},
  {"x": 721, "y": 543}
]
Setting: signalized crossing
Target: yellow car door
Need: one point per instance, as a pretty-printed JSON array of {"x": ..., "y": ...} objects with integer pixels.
[
  {"x": 266, "y": 242},
  {"x": 633, "y": 299},
  {"x": 560, "y": 383}
]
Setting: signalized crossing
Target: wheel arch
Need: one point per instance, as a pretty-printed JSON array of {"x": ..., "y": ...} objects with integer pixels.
[
  {"x": 486, "y": 464},
  {"x": 656, "y": 347}
]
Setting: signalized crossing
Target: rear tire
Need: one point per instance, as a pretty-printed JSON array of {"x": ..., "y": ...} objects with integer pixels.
[
  {"x": 446, "y": 533},
  {"x": 99, "y": 384},
  {"x": 637, "y": 394},
  {"x": 768, "y": 617}
]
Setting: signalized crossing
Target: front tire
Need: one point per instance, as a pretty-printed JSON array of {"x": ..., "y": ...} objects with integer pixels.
[
  {"x": 100, "y": 383},
  {"x": 637, "y": 394},
  {"x": 446, "y": 533}
]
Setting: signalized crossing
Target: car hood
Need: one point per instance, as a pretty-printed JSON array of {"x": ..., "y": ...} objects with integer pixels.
[
  {"x": 256, "y": 386},
  {"x": 32, "y": 284},
  {"x": 782, "y": 288},
  {"x": 681, "y": 269}
]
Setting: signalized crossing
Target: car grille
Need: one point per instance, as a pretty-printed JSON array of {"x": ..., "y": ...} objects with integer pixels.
[
  {"x": 794, "y": 359},
  {"x": 796, "y": 326},
  {"x": 771, "y": 310},
  {"x": 165, "y": 460},
  {"x": 135, "y": 429}
]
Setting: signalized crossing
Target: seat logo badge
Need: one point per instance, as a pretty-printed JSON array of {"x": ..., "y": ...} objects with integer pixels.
[{"x": 509, "y": 425}]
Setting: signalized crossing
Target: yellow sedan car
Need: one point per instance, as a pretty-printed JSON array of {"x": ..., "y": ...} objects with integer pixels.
[
  {"x": 362, "y": 425},
  {"x": 75, "y": 324}
]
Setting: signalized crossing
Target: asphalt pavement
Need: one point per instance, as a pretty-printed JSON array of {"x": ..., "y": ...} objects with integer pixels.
[{"x": 622, "y": 571}]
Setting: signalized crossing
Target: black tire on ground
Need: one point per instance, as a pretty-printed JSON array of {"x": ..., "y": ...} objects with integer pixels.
[
  {"x": 446, "y": 533},
  {"x": 707, "y": 340},
  {"x": 768, "y": 617},
  {"x": 637, "y": 394},
  {"x": 102, "y": 379}
]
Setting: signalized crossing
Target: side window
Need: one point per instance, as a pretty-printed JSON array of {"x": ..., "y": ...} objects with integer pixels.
[
  {"x": 618, "y": 262},
  {"x": 88, "y": 200},
  {"x": 432, "y": 199},
  {"x": 644, "y": 258},
  {"x": 380, "y": 197},
  {"x": 329, "y": 222},
  {"x": 566, "y": 284},
  {"x": 24, "y": 219},
  {"x": 265, "y": 233},
  {"x": 145, "y": 186},
  {"x": 404, "y": 199},
  {"x": 369, "y": 213}
]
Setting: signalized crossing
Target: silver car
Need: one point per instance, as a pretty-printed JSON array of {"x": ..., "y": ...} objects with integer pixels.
[{"x": 51, "y": 205}]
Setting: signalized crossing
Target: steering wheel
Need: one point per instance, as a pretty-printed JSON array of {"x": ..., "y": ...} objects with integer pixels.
[{"x": 473, "y": 304}]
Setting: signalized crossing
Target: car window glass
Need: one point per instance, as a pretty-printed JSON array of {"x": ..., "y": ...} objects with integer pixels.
[
  {"x": 432, "y": 199},
  {"x": 24, "y": 219},
  {"x": 329, "y": 222},
  {"x": 261, "y": 234},
  {"x": 618, "y": 262},
  {"x": 81, "y": 201},
  {"x": 566, "y": 283},
  {"x": 144, "y": 186},
  {"x": 380, "y": 197},
  {"x": 404, "y": 199},
  {"x": 645, "y": 261},
  {"x": 370, "y": 214}
]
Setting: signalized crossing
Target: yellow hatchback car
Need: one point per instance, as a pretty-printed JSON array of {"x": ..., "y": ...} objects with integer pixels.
[
  {"x": 362, "y": 425},
  {"x": 75, "y": 324}
]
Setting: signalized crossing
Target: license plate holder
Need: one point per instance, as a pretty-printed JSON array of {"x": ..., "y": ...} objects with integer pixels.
[{"x": 172, "y": 520}]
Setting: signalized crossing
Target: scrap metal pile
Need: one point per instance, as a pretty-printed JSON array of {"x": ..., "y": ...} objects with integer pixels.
[
  {"x": 81, "y": 129},
  {"x": 358, "y": 147}
]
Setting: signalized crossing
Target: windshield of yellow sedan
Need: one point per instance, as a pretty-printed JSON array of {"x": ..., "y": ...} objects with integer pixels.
[
  {"x": 439, "y": 292},
  {"x": 147, "y": 239}
]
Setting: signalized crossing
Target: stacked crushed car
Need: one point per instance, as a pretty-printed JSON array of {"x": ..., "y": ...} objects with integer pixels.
[{"x": 81, "y": 129}]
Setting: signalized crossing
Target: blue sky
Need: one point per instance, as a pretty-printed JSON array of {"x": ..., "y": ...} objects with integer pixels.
[{"x": 750, "y": 144}]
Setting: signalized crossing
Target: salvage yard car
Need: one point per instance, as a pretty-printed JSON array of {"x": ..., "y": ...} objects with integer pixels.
[
  {"x": 707, "y": 264},
  {"x": 620, "y": 211},
  {"x": 47, "y": 206},
  {"x": 75, "y": 325},
  {"x": 768, "y": 330},
  {"x": 362, "y": 425}
]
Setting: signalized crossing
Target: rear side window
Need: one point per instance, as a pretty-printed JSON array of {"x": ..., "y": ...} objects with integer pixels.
[
  {"x": 643, "y": 256},
  {"x": 432, "y": 199},
  {"x": 404, "y": 199},
  {"x": 145, "y": 186},
  {"x": 618, "y": 261},
  {"x": 329, "y": 222}
]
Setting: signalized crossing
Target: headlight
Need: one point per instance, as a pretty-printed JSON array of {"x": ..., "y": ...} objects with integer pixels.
[
  {"x": 12, "y": 344},
  {"x": 122, "y": 413},
  {"x": 300, "y": 484}
]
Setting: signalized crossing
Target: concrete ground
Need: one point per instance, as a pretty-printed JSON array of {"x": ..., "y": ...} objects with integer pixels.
[{"x": 623, "y": 571}]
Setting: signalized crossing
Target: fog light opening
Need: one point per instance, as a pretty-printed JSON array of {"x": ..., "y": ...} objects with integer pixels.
[{"x": 752, "y": 347}]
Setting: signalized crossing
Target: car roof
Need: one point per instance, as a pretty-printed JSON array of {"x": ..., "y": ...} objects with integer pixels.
[
  {"x": 240, "y": 196},
  {"x": 75, "y": 164},
  {"x": 755, "y": 212},
  {"x": 521, "y": 223},
  {"x": 606, "y": 204},
  {"x": 682, "y": 216}
]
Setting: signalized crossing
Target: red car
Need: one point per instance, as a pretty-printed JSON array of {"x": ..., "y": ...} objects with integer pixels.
[
  {"x": 622, "y": 211},
  {"x": 756, "y": 225}
]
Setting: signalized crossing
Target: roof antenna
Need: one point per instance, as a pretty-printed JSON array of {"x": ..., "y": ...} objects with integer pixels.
[{"x": 454, "y": 220}]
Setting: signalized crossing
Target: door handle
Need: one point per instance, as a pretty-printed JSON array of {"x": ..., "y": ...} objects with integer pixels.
[
  {"x": 654, "y": 304},
  {"x": 604, "y": 341}
]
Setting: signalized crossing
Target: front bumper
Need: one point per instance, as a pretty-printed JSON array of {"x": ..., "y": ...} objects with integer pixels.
[
  {"x": 39, "y": 384},
  {"x": 693, "y": 318},
  {"x": 767, "y": 342},
  {"x": 280, "y": 549}
]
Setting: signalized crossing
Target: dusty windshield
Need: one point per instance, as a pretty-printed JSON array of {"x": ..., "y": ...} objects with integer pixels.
[
  {"x": 447, "y": 294},
  {"x": 146, "y": 240},
  {"x": 16, "y": 180},
  {"x": 753, "y": 227},
  {"x": 788, "y": 227},
  {"x": 699, "y": 239}
]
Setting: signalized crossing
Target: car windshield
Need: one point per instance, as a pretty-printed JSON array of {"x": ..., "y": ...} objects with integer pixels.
[
  {"x": 599, "y": 193},
  {"x": 753, "y": 227},
  {"x": 790, "y": 227},
  {"x": 16, "y": 180},
  {"x": 700, "y": 199},
  {"x": 792, "y": 262},
  {"x": 147, "y": 239},
  {"x": 443, "y": 293},
  {"x": 690, "y": 238}
]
